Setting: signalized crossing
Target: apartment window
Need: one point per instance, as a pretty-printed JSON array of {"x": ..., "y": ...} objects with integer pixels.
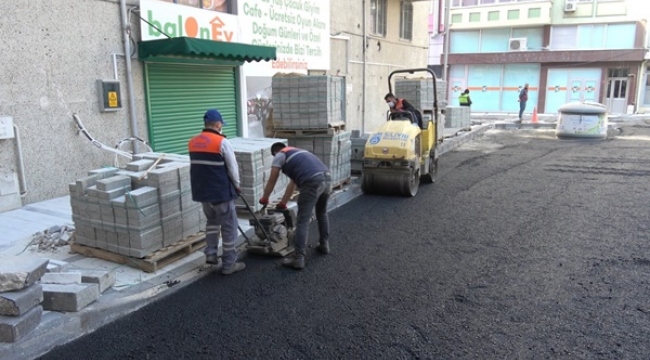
[
  {"x": 593, "y": 37},
  {"x": 406, "y": 20},
  {"x": 378, "y": 16}
]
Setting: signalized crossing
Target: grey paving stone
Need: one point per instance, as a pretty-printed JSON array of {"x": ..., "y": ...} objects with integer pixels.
[
  {"x": 103, "y": 279},
  {"x": 16, "y": 274},
  {"x": 16, "y": 303},
  {"x": 13, "y": 328},
  {"x": 70, "y": 298}
]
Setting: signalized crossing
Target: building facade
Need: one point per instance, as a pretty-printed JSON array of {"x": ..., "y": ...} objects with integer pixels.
[
  {"x": 68, "y": 58},
  {"x": 568, "y": 50}
]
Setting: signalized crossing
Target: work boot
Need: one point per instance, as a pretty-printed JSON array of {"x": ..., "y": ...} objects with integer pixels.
[
  {"x": 323, "y": 247},
  {"x": 238, "y": 266},
  {"x": 295, "y": 260},
  {"x": 212, "y": 259}
]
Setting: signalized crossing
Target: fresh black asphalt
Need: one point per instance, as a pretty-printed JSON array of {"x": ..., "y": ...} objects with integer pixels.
[{"x": 527, "y": 247}]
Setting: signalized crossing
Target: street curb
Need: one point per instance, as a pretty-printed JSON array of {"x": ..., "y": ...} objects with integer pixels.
[{"x": 450, "y": 144}]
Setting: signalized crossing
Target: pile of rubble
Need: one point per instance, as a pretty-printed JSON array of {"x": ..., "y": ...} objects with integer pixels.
[{"x": 52, "y": 238}]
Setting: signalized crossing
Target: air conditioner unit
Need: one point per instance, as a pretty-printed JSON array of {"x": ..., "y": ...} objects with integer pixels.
[
  {"x": 570, "y": 5},
  {"x": 518, "y": 44}
]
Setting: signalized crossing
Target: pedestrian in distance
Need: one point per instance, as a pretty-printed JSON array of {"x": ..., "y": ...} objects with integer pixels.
[
  {"x": 214, "y": 178},
  {"x": 523, "y": 98},
  {"x": 464, "y": 99},
  {"x": 399, "y": 105},
  {"x": 313, "y": 179}
]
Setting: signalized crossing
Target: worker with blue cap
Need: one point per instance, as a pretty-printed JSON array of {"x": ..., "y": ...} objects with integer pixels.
[{"x": 214, "y": 177}]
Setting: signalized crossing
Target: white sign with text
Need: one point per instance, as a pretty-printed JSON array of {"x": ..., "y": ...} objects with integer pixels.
[
  {"x": 298, "y": 29},
  {"x": 177, "y": 21}
]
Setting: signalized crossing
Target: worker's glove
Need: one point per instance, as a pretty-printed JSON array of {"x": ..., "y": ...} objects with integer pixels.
[
  {"x": 264, "y": 201},
  {"x": 281, "y": 206}
]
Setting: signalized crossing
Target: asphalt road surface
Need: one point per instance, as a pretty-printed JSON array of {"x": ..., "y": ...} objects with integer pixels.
[{"x": 527, "y": 247}]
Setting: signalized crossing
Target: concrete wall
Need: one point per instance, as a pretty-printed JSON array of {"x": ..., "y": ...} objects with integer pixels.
[
  {"x": 53, "y": 52},
  {"x": 347, "y": 21}
]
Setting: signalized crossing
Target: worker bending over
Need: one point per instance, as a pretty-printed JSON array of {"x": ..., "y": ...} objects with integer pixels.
[{"x": 314, "y": 181}]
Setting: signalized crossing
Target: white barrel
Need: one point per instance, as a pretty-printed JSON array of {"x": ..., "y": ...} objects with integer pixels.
[{"x": 582, "y": 120}]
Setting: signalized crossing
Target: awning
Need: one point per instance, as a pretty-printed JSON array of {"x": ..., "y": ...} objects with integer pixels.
[{"x": 206, "y": 49}]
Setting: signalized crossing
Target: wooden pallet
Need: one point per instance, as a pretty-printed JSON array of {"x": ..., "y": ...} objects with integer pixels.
[
  {"x": 333, "y": 129},
  {"x": 150, "y": 263},
  {"x": 342, "y": 184}
]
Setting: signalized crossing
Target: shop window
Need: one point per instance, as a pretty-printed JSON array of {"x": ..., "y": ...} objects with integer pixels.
[
  {"x": 618, "y": 72},
  {"x": 378, "y": 16},
  {"x": 406, "y": 20}
]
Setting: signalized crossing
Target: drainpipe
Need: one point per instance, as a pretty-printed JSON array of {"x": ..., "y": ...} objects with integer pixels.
[
  {"x": 446, "y": 44},
  {"x": 126, "y": 29},
  {"x": 21, "y": 163},
  {"x": 363, "y": 78}
]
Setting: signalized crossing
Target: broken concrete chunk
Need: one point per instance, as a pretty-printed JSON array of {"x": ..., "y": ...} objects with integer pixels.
[
  {"x": 61, "y": 278},
  {"x": 104, "y": 279},
  {"x": 13, "y": 328},
  {"x": 71, "y": 298},
  {"x": 17, "y": 274},
  {"x": 16, "y": 303}
]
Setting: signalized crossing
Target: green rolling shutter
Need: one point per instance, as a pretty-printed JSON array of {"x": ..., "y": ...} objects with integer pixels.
[{"x": 178, "y": 95}]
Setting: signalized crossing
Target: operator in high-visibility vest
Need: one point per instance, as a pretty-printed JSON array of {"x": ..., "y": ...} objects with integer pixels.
[
  {"x": 464, "y": 99},
  {"x": 214, "y": 180}
]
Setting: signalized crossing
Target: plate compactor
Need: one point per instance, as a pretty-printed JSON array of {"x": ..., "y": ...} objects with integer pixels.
[{"x": 274, "y": 232}]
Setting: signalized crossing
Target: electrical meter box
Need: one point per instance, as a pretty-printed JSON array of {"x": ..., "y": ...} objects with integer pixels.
[
  {"x": 109, "y": 95},
  {"x": 6, "y": 127}
]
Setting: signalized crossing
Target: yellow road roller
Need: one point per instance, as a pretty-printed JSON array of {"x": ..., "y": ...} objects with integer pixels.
[{"x": 402, "y": 152}]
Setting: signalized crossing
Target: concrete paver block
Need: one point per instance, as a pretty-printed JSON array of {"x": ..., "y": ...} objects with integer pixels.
[
  {"x": 58, "y": 265},
  {"x": 17, "y": 274},
  {"x": 70, "y": 297},
  {"x": 104, "y": 172},
  {"x": 61, "y": 278},
  {"x": 113, "y": 183},
  {"x": 13, "y": 328},
  {"x": 16, "y": 303},
  {"x": 103, "y": 279}
]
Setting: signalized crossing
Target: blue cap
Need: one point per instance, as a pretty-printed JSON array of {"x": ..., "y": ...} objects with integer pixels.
[{"x": 213, "y": 115}]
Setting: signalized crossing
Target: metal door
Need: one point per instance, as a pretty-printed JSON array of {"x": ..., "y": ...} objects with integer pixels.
[
  {"x": 177, "y": 97},
  {"x": 616, "y": 100}
]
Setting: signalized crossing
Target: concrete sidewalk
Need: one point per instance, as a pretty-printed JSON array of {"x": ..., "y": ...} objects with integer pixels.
[{"x": 133, "y": 288}]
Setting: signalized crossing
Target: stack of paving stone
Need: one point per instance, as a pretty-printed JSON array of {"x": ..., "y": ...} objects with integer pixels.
[
  {"x": 358, "y": 146},
  {"x": 121, "y": 211},
  {"x": 335, "y": 151},
  {"x": 419, "y": 92},
  {"x": 307, "y": 101},
  {"x": 457, "y": 117},
  {"x": 254, "y": 159},
  {"x": 20, "y": 297}
]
